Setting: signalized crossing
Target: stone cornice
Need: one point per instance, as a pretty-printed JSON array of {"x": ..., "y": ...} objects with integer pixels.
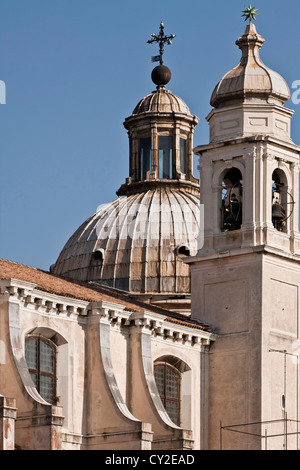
[
  {"x": 26, "y": 295},
  {"x": 249, "y": 106},
  {"x": 160, "y": 116},
  {"x": 143, "y": 186},
  {"x": 249, "y": 139},
  {"x": 162, "y": 326},
  {"x": 155, "y": 324},
  {"x": 235, "y": 253}
]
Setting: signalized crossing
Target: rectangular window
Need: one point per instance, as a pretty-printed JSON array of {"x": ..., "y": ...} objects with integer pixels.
[
  {"x": 165, "y": 156},
  {"x": 145, "y": 157},
  {"x": 183, "y": 155}
]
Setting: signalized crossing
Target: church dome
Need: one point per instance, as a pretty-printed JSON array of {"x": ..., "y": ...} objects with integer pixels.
[
  {"x": 250, "y": 80},
  {"x": 136, "y": 243},
  {"x": 139, "y": 242},
  {"x": 161, "y": 101}
]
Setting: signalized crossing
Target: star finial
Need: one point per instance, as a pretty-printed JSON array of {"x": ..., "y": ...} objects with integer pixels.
[
  {"x": 250, "y": 13},
  {"x": 161, "y": 39}
]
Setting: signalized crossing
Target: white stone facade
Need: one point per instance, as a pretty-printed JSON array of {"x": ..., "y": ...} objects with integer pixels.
[{"x": 106, "y": 392}]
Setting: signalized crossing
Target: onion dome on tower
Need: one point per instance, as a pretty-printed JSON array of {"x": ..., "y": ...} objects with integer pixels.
[
  {"x": 137, "y": 243},
  {"x": 249, "y": 99},
  {"x": 250, "y": 81}
]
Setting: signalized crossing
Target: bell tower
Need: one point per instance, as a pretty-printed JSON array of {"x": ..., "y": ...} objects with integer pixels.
[
  {"x": 246, "y": 277},
  {"x": 249, "y": 170}
]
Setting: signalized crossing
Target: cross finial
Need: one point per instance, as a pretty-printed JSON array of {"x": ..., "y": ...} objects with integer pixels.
[
  {"x": 250, "y": 13},
  {"x": 161, "y": 39}
]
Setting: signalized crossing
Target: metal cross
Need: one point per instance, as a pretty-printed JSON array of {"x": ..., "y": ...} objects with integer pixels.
[{"x": 161, "y": 39}]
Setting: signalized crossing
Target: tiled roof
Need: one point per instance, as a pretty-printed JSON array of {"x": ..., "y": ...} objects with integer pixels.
[{"x": 85, "y": 291}]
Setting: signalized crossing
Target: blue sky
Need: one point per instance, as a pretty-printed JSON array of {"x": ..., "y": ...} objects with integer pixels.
[{"x": 75, "y": 69}]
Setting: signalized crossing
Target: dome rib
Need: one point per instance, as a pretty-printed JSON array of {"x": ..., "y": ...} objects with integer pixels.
[
  {"x": 161, "y": 100},
  {"x": 148, "y": 246},
  {"x": 174, "y": 236},
  {"x": 188, "y": 198},
  {"x": 121, "y": 228},
  {"x": 138, "y": 200},
  {"x": 107, "y": 238},
  {"x": 142, "y": 260}
]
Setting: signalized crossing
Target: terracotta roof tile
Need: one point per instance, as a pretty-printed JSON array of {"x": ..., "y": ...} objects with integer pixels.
[{"x": 85, "y": 291}]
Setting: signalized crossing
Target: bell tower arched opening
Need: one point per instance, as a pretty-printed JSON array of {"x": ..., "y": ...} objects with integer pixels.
[
  {"x": 231, "y": 205},
  {"x": 282, "y": 201}
]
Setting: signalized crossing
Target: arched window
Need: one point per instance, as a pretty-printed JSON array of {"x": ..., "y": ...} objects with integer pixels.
[
  {"x": 40, "y": 354},
  {"x": 282, "y": 201},
  {"x": 96, "y": 265},
  {"x": 183, "y": 250},
  {"x": 168, "y": 382},
  {"x": 97, "y": 256},
  {"x": 232, "y": 196}
]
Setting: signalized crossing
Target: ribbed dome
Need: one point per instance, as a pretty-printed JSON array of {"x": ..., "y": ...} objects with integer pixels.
[
  {"x": 161, "y": 100},
  {"x": 133, "y": 243},
  {"x": 250, "y": 80}
]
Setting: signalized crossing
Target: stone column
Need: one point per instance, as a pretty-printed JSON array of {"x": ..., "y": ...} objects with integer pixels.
[
  {"x": 189, "y": 156},
  {"x": 251, "y": 191},
  {"x": 211, "y": 213},
  {"x": 294, "y": 223},
  {"x": 268, "y": 161},
  {"x": 252, "y": 195},
  {"x": 8, "y": 414}
]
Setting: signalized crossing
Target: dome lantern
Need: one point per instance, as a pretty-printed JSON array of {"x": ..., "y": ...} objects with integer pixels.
[{"x": 160, "y": 132}]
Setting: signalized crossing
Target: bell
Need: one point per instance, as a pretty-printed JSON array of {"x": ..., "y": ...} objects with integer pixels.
[
  {"x": 277, "y": 212},
  {"x": 278, "y": 215},
  {"x": 230, "y": 222}
]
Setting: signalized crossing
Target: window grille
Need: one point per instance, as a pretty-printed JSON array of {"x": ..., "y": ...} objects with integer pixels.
[
  {"x": 40, "y": 354},
  {"x": 168, "y": 382}
]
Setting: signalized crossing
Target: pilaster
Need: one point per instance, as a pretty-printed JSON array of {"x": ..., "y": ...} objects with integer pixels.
[
  {"x": 105, "y": 402},
  {"x": 8, "y": 414}
]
